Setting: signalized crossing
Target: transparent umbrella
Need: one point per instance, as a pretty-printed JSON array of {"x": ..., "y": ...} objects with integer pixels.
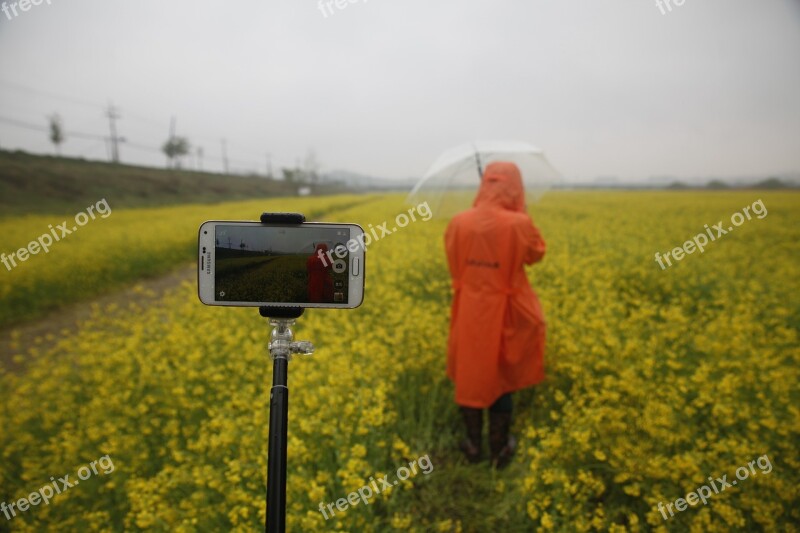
[{"x": 452, "y": 181}]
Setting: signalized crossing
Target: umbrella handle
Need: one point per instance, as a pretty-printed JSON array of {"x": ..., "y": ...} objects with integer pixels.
[{"x": 480, "y": 167}]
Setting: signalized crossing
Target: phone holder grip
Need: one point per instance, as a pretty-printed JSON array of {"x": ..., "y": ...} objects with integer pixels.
[
  {"x": 282, "y": 218},
  {"x": 281, "y": 312}
]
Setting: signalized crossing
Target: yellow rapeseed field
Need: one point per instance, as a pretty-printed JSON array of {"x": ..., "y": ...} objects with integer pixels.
[
  {"x": 657, "y": 380},
  {"x": 120, "y": 248}
]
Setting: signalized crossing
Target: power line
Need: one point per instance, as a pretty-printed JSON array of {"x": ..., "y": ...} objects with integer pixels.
[
  {"x": 68, "y": 98},
  {"x": 246, "y": 151},
  {"x": 28, "y": 125},
  {"x": 150, "y": 122},
  {"x": 225, "y": 160},
  {"x": 129, "y": 144},
  {"x": 142, "y": 147},
  {"x": 26, "y": 89},
  {"x": 84, "y": 135},
  {"x": 30, "y": 90},
  {"x": 22, "y": 124},
  {"x": 91, "y": 148}
]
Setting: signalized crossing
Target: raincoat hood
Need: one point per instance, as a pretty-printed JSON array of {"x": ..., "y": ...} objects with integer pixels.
[{"x": 501, "y": 186}]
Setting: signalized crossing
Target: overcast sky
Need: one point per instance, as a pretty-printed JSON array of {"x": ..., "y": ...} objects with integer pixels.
[{"x": 381, "y": 87}]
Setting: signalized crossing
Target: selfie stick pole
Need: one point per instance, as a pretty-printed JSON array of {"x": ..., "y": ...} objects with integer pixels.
[{"x": 281, "y": 348}]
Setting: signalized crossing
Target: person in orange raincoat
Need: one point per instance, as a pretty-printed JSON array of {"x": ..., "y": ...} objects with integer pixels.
[
  {"x": 497, "y": 328},
  {"x": 320, "y": 282}
]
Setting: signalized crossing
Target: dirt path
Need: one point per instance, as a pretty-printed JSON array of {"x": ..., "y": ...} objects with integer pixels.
[
  {"x": 69, "y": 316},
  {"x": 36, "y": 332}
]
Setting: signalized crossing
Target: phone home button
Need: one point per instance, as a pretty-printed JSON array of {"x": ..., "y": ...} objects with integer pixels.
[{"x": 356, "y": 265}]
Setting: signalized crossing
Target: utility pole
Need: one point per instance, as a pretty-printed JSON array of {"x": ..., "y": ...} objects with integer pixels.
[
  {"x": 200, "y": 158},
  {"x": 113, "y": 113},
  {"x": 269, "y": 165},
  {"x": 225, "y": 156}
]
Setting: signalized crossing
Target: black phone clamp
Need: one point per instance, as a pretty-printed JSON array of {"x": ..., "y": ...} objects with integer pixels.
[{"x": 282, "y": 347}]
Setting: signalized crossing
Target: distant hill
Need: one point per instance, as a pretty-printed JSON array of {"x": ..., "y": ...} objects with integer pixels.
[
  {"x": 45, "y": 184},
  {"x": 789, "y": 180},
  {"x": 782, "y": 181}
]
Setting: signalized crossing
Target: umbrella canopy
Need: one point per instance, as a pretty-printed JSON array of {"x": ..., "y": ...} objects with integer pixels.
[{"x": 452, "y": 181}]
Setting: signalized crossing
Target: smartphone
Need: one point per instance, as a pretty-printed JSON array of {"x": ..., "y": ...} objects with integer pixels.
[{"x": 250, "y": 264}]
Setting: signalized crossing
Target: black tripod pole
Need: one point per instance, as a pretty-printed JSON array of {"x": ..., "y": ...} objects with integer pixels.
[
  {"x": 281, "y": 348},
  {"x": 276, "y": 461}
]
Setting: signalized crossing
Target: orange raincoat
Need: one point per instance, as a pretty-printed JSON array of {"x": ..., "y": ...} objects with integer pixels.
[
  {"x": 497, "y": 328},
  {"x": 320, "y": 282}
]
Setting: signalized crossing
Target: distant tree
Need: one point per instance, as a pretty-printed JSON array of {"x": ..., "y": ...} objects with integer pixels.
[
  {"x": 770, "y": 183},
  {"x": 717, "y": 184},
  {"x": 291, "y": 174},
  {"x": 677, "y": 185},
  {"x": 56, "y": 132},
  {"x": 175, "y": 148}
]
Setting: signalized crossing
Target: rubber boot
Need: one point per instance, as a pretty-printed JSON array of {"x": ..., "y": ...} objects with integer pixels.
[
  {"x": 501, "y": 444},
  {"x": 471, "y": 446}
]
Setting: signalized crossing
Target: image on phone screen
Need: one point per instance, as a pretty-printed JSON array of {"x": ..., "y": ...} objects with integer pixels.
[{"x": 281, "y": 264}]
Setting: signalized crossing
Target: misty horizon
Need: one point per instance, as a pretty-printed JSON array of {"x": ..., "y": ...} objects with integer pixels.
[{"x": 379, "y": 89}]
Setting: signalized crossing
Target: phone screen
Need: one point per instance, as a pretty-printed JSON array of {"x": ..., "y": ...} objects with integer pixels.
[{"x": 281, "y": 264}]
